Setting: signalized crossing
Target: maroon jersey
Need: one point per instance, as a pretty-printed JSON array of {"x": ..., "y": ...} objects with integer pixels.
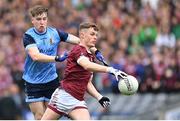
[{"x": 76, "y": 77}]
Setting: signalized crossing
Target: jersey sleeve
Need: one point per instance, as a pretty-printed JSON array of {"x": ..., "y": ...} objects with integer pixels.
[
  {"x": 28, "y": 40},
  {"x": 63, "y": 35},
  {"x": 79, "y": 52}
]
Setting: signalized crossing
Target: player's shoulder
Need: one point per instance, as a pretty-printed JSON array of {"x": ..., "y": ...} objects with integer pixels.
[
  {"x": 78, "y": 48},
  {"x": 29, "y": 31}
]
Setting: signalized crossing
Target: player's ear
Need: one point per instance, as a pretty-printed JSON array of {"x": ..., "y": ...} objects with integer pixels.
[
  {"x": 81, "y": 34},
  {"x": 32, "y": 19}
]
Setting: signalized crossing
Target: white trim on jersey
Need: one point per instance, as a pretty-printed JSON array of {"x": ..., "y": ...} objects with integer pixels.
[
  {"x": 72, "y": 39},
  {"x": 30, "y": 45},
  {"x": 81, "y": 57}
]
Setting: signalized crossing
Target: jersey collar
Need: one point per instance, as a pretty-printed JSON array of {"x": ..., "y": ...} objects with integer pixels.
[{"x": 42, "y": 33}]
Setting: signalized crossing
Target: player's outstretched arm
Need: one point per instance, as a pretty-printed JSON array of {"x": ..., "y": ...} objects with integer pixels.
[
  {"x": 104, "y": 101},
  {"x": 72, "y": 39},
  {"x": 91, "y": 66},
  {"x": 37, "y": 56}
]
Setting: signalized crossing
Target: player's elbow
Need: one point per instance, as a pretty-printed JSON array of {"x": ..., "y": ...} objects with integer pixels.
[{"x": 35, "y": 57}]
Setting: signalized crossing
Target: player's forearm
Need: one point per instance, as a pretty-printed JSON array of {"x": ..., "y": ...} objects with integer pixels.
[
  {"x": 73, "y": 39},
  {"x": 43, "y": 58},
  {"x": 92, "y": 91},
  {"x": 34, "y": 53},
  {"x": 95, "y": 67},
  {"x": 91, "y": 66}
]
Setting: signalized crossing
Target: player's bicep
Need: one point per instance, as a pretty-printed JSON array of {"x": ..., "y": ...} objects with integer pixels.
[
  {"x": 28, "y": 41},
  {"x": 63, "y": 35},
  {"x": 83, "y": 61},
  {"x": 72, "y": 39}
]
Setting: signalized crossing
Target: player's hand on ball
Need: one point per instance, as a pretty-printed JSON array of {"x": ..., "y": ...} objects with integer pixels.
[
  {"x": 117, "y": 73},
  {"x": 121, "y": 74},
  {"x": 105, "y": 102},
  {"x": 62, "y": 57}
]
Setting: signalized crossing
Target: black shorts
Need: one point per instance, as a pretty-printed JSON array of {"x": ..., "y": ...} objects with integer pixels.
[{"x": 40, "y": 92}]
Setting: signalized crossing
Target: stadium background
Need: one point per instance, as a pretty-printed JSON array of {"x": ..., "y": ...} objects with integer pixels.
[{"x": 141, "y": 37}]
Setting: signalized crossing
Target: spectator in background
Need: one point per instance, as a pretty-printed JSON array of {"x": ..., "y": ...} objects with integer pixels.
[
  {"x": 116, "y": 63},
  {"x": 5, "y": 77},
  {"x": 165, "y": 38},
  {"x": 176, "y": 19},
  {"x": 9, "y": 109}
]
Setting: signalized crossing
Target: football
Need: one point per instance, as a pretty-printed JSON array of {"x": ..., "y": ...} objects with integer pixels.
[{"x": 128, "y": 86}]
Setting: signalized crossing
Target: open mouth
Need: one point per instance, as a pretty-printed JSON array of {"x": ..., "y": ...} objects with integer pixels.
[{"x": 41, "y": 27}]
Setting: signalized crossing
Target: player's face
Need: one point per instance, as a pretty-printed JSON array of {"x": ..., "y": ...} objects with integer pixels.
[
  {"x": 40, "y": 22},
  {"x": 91, "y": 37}
]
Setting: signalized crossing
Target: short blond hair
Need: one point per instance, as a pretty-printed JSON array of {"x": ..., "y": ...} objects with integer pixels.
[
  {"x": 38, "y": 10},
  {"x": 86, "y": 25}
]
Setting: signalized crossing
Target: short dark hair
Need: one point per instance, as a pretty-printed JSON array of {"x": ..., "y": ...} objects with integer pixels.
[
  {"x": 86, "y": 25},
  {"x": 38, "y": 10}
]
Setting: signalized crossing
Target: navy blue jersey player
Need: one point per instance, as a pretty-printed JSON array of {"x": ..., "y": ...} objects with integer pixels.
[{"x": 41, "y": 43}]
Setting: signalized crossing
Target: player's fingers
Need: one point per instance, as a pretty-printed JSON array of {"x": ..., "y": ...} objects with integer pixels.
[
  {"x": 123, "y": 75},
  {"x": 117, "y": 79},
  {"x": 118, "y": 76},
  {"x": 109, "y": 103},
  {"x": 106, "y": 104}
]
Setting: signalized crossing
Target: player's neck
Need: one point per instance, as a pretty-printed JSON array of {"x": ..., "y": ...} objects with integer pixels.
[{"x": 84, "y": 45}]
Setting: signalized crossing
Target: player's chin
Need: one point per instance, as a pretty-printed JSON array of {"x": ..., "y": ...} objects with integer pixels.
[
  {"x": 92, "y": 45},
  {"x": 42, "y": 28}
]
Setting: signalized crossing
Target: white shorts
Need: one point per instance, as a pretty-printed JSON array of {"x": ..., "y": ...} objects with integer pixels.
[{"x": 62, "y": 102}]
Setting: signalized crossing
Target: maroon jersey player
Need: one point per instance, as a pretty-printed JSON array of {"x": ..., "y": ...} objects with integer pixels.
[
  {"x": 68, "y": 99},
  {"x": 76, "y": 77}
]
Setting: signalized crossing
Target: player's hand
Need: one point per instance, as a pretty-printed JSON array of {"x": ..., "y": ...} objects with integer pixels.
[
  {"x": 117, "y": 73},
  {"x": 99, "y": 56},
  {"x": 62, "y": 57},
  {"x": 105, "y": 102}
]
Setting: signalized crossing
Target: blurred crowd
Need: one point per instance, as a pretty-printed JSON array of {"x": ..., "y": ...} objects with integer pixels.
[{"x": 140, "y": 37}]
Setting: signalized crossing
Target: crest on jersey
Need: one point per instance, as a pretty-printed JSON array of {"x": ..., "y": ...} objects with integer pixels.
[{"x": 51, "y": 41}]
